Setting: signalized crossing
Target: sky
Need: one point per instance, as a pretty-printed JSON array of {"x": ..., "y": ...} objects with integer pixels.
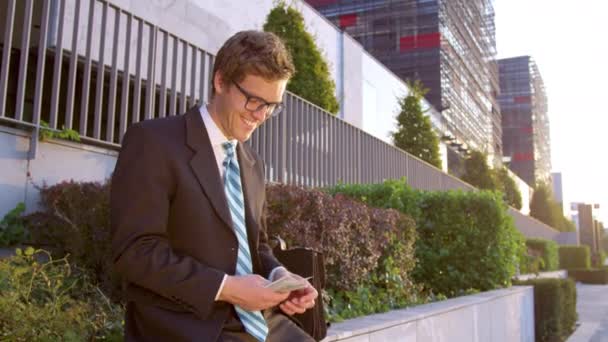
[{"x": 569, "y": 42}]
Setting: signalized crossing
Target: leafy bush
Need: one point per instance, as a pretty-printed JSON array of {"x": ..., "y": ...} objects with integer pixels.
[
  {"x": 573, "y": 256},
  {"x": 554, "y": 308},
  {"x": 12, "y": 229},
  {"x": 508, "y": 187},
  {"x": 368, "y": 252},
  {"x": 589, "y": 276},
  {"x": 46, "y": 299},
  {"x": 465, "y": 240},
  {"x": 76, "y": 220},
  {"x": 531, "y": 262},
  {"x": 547, "y": 250}
]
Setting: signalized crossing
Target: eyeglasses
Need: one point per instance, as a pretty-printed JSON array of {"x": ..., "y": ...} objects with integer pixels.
[{"x": 255, "y": 103}]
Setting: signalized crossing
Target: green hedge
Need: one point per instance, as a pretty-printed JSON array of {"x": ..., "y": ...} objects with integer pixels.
[
  {"x": 554, "y": 308},
  {"x": 368, "y": 252},
  {"x": 589, "y": 276},
  {"x": 573, "y": 256},
  {"x": 466, "y": 240},
  {"x": 547, "y": 250}
]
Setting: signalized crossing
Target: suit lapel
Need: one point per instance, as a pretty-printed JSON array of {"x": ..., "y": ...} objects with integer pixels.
[{"x": 204, "y": 166}]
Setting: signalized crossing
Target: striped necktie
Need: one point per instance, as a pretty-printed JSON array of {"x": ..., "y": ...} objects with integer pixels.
[{"x": 254, "y": 322}]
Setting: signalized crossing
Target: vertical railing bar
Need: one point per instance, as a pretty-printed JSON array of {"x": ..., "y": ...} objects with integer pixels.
[
  {"x": 151, "y": 78},
  {"x": 111, "y": 115},
  {"x": 162, "y": 103},
  {"x": 86, "y": 79},
  {"x": 25, "y": 44},
  {"x": 182, "y": 108},
  {"x": 56, "y": 85},
  {"x": 100, "y": 74},
  {"x": 126, "y": 80},
  {"x": 173, "y": 100},
  {"x": 202, "y": 87},
  {"x": 44, "y": 24},
  {"x": 69, "y": 111},
  {"x": 193, "y": 74},
  {"x": 209, "y": 85},
  {"x": 6, "y": 54},
  {"x": 135, "y": 115}
]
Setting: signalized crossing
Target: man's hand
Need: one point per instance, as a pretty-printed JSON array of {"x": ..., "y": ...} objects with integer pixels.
[
  {"x": 299, "y": 300},
  {"x": 249, "y": 293}
]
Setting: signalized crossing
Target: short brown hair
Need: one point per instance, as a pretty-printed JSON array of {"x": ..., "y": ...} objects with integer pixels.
[{"x": 253, "y": 53}]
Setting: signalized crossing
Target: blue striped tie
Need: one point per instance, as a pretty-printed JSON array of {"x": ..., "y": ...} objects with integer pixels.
[{"x": 254, "y": 322}]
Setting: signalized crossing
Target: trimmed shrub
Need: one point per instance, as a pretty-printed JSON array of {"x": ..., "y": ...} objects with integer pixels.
[
  {"x": 368, "y": 252},
  {"x": 554, "y": 308},
  {"x": 572, "y": 256},
  {"x": 53, "y": 301},
  {"x": 75, "y": 220},
  {"x": 531, "y": 262},
  {"x": 589, "y": 276},
  {"x": 547, "y": 250},
  {"x": 466, "y": 240}
]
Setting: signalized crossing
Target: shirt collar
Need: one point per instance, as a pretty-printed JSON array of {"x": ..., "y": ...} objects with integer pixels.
[{"x": 216, "y": 136}]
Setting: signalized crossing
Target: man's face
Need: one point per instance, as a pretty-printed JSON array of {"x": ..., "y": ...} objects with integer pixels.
[{"x": 236, "y": 121}]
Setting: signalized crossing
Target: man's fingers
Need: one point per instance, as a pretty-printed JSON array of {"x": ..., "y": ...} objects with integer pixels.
[
  {"x": 286, "y": 309},
  {"x": 293, "y": 307}
]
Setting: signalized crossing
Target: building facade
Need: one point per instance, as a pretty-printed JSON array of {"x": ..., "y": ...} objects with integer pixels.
[
  {"x": 448, "y": 45},
  {"x": 525, "y": 121}
]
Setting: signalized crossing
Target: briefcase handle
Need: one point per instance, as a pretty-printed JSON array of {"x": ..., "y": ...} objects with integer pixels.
[{"x": 280, "y": 242}]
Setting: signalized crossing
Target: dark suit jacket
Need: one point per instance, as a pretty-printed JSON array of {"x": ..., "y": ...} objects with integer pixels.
[{"x": 172, "y": 233}]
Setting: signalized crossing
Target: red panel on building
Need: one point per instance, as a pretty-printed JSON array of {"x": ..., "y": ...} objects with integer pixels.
[
  {"x": 522, "y": 99},
  {"x": 421, "y": 41},
  {"x": 347, "y": 20},
  {"x": 523, "y": 156},
  {"x": 527, "y": 129}
]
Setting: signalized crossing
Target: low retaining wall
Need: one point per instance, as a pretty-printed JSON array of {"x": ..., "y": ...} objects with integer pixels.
[
  {"x": 499, "y": 315},
  {"x": 553, "y": 274}
]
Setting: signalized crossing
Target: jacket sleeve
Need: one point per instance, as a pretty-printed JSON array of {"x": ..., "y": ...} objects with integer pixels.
[{"x": 142, "y": 187}]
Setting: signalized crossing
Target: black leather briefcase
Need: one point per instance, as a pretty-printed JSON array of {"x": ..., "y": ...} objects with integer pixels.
[{"x": 306, "y": 262}]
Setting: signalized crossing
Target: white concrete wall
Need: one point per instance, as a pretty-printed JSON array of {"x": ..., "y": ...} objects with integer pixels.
[
  {"x": 501, "y": 315},
  {"x": 57, "y": 161}
]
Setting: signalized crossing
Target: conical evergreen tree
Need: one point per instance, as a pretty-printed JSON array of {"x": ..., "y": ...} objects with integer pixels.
[
  {"x": 312, "y": 80},
  {"x": 414, "y": 130}
]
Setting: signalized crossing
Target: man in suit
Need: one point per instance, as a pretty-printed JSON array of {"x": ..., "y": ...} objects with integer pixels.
[{"x": 188, "y": 206}]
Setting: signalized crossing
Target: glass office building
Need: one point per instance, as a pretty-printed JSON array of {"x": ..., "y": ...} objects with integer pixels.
[
  {"x": 525, "y": 123},
  {"x": 448, "y": 45}
]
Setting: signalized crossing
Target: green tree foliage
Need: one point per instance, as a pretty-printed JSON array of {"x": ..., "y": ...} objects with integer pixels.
[
  {"x": 546, "y": 210},
  {"x": 312, "y": 80},
  {"x": 509, "y": 188},
  {"x": 478, "y": 173},
  {"x": 414, "y": 131}
]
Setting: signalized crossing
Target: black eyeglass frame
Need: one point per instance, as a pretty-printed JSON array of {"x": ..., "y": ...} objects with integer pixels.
[{"x": 278, "y": 106}]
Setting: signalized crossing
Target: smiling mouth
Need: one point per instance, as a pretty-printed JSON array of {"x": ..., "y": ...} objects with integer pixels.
[{"x": 249, "y": 123}]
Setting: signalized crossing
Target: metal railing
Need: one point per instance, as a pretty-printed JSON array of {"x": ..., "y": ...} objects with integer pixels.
[{"x": 93, "y": 67}]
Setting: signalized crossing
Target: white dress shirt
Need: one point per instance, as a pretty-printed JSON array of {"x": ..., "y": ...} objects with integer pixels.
[{"x": 217, "y": 138}]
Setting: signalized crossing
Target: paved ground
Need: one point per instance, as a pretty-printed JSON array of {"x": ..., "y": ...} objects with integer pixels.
[{"x": 592, "y": 307}]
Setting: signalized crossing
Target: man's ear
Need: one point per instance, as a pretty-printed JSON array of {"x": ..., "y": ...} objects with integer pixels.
[{"x": 218, "y": 83}]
